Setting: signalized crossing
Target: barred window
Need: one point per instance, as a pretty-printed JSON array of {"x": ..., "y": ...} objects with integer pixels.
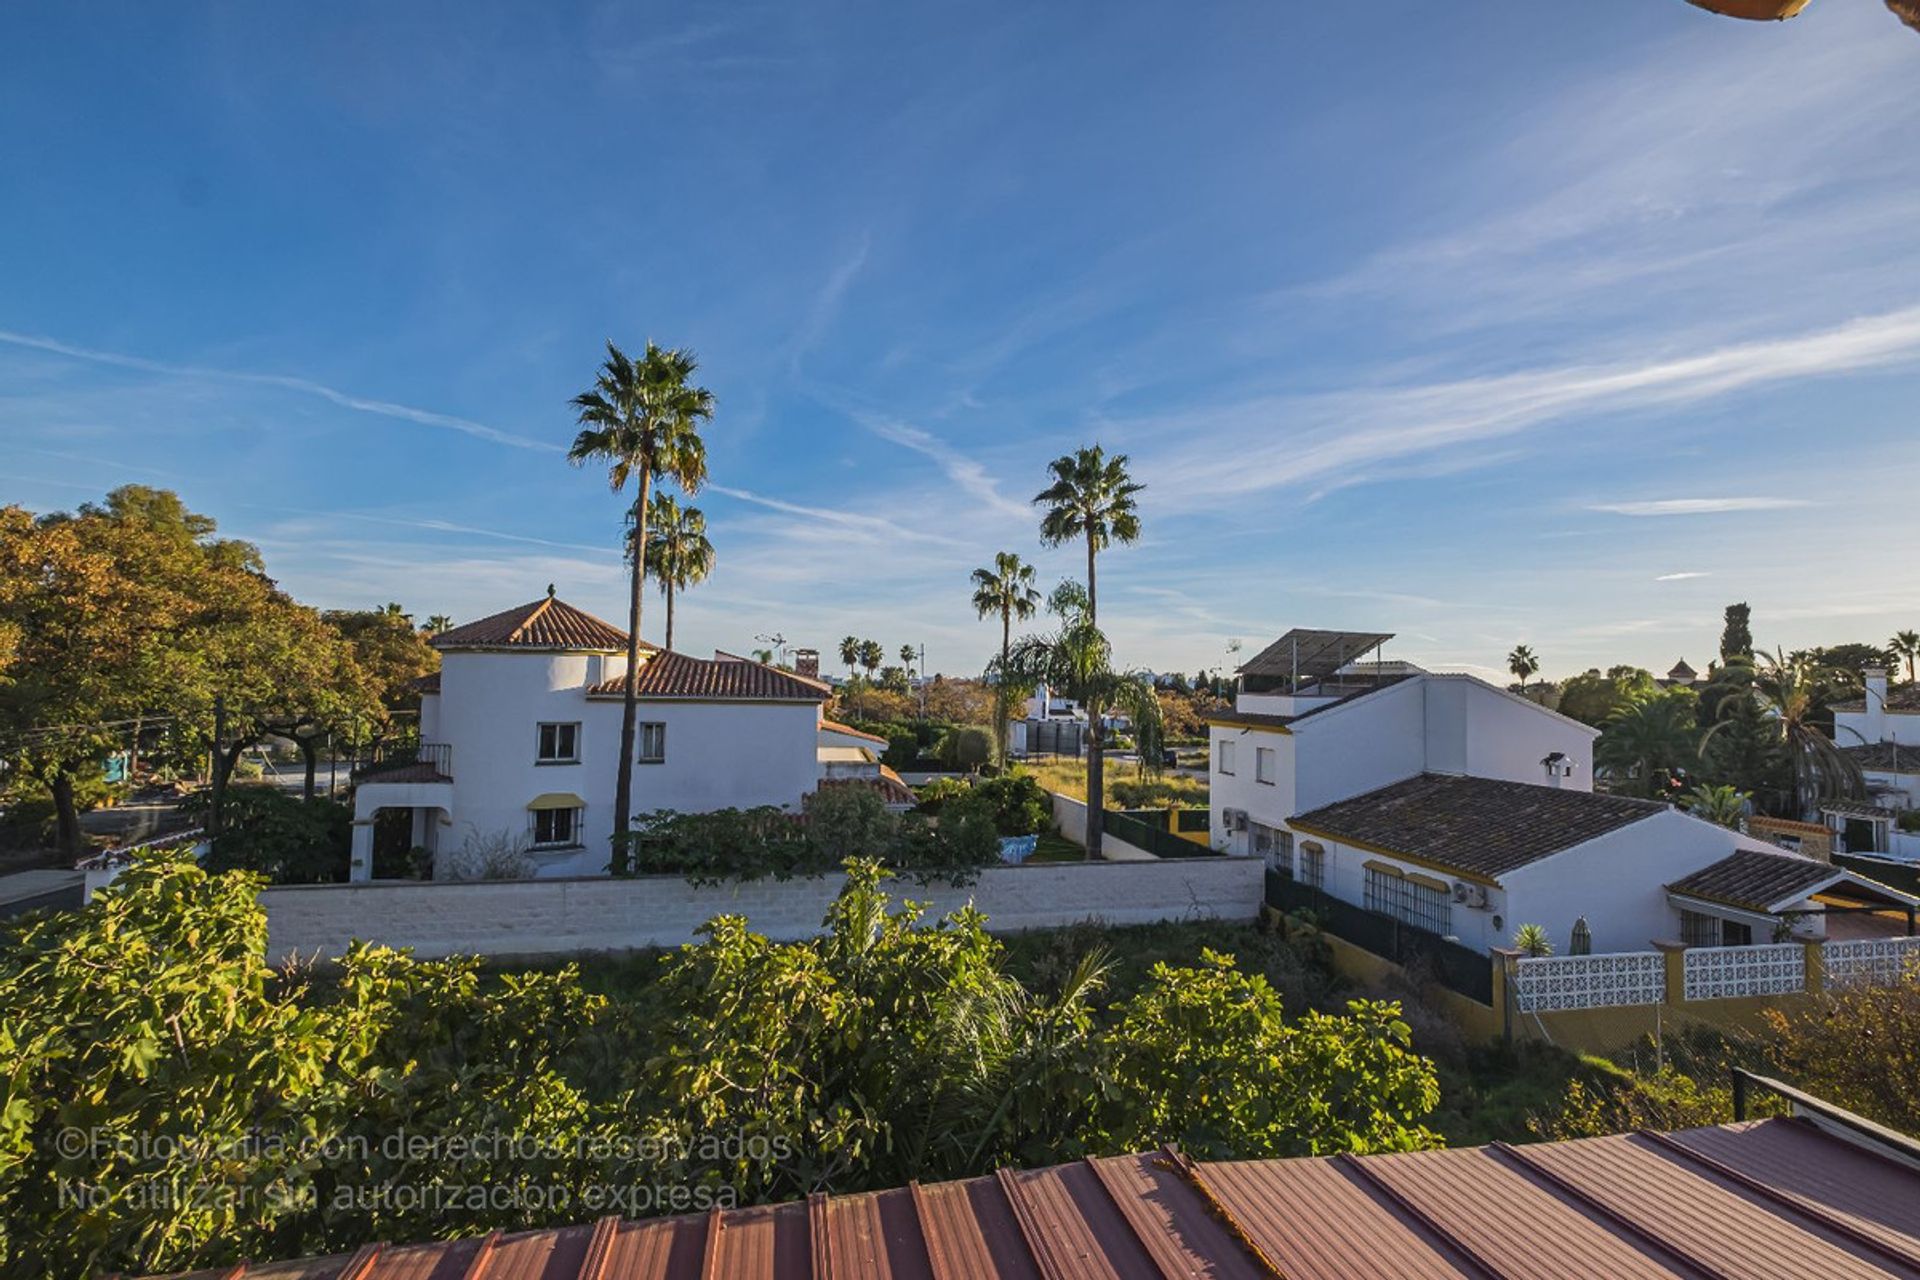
[
  {"x": 1313, "y": 864},
  {"x": 1408, "y": 901},
  {"x": 1698, "y": 929},
  {"x": 1275, "y": 845}
]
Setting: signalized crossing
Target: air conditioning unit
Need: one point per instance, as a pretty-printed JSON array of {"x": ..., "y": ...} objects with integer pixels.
[
  {"x": 1477, "y": 896},
  {"x": 1234, "y": 819},
  {"x": 1460, "y": 889}
]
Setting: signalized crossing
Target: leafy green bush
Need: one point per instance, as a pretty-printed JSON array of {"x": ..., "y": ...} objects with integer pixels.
[
  {"x": 934, "y": 794},
  {"x": 1020, "y": 806},
  {"x": 965, "y": 747},
  {"x": 282, "y": 837},
  {"x": 225, "y": 1111}
]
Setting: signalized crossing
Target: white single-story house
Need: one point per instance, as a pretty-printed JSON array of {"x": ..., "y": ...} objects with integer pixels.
[
  {"x": 520, "y": 742},
  {"x": 1462, "y": 809}
]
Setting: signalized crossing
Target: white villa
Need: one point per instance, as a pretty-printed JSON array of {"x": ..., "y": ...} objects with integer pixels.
[
  {"x": 1882, "y": 733},
  {"x": 1464, "y": 810},
  {"x": 520, "y": 739}
]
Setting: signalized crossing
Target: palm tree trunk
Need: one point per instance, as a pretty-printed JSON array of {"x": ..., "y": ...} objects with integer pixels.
[
  {"x": 66, "y": 813},
  {"x": 1005, "y": 705},
  {"x": 1096, "y": 759},
  {"x": 669, "y": 615},
  {"x": 629, "y": 700}
]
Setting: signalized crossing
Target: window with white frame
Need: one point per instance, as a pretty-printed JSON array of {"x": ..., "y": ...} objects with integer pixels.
[
  {"x": 1313, "y": 864},
  {"x": 1263, "y": 765},
  {"x": 651, "y": 743},
  {"x": 556, "y": 828},
  {"x": 558, "y": 744},
  {"x": 1225, "y": 754},
  {"x": 1421, "y": 905}
]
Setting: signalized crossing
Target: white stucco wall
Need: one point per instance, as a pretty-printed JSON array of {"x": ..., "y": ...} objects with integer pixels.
[
  {"x": 1852, "y": 728},
  {"x": 568, "y": 917},
  {"x": 1618, "y": 881},
  {"x": 1264, "y": 803}
]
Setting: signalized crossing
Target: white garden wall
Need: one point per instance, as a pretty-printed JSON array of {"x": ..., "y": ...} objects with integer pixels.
[{"x": 540, "y": 918}]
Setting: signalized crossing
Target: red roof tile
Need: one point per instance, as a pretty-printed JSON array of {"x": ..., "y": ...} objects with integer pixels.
[
  {"x": 665, "y": 674},
  {"x": 546, "y": 623},
  {"x": 834, "y": 726},
  {"x": 1775, "y": 1199}
]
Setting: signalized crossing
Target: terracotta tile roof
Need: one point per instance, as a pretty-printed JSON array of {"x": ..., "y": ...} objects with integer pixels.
[
  {"x": 1482, "y": 826},
  {"x": 666, "y": 674},
  {"x": 834, "y": 726},
  {"x": 546, "y": 623},
  {"x": 1858, "y": 809},
  {"x": 1900, "y": 698},
  {"x": 1757, "y": 881},
  {"x": 892, "y": 787},
  {"x": 1777, "y": 1198},
  {"x": 1886, "y": 757}
]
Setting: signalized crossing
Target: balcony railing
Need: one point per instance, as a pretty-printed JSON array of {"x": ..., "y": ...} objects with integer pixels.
[{"x": 425, "y": 758}]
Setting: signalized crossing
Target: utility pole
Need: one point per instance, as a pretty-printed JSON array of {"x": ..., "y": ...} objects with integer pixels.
[{"x": 219, "y": 755}]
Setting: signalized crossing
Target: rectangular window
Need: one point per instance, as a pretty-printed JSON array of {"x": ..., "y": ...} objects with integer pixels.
[
  {"x": 1409, "y": 901},
  {"x": 1226, "y": 758},
  {"x": 1736, "y": 933},
  {"x": 1698, "y": 929},
  {"x": 554, "y": 828},
  {"x": 559, "y": 744},
  {"x": 1263, "y": 766},
  {"x": 1313, "y": 865},
  {"x": 1275, "y": 845},
  {"x": 651, "y": 743}
]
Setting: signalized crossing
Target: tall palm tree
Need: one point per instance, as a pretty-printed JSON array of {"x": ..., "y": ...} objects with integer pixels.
[
  {"x": 1523, "y": 663},
  {"x": 1906, "y": 644},
  {"x": 437, "y": 623},
  {"x": 850, "y": 654},
  {"x": 678, "y": 553},
  {"x": 1646, "y": 742},
  {"x": 1091, "y": 498},
  {"x": 642, "y": 418},
  {"x": 1078, "y": 661},
  {"x": 871, "y": 656},
  {"x": 908, "y": 656},
  {"x": 1006, "y": 589},
  {"x": 1788, "y": 689}
]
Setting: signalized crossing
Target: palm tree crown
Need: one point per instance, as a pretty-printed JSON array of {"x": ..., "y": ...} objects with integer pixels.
[
  {"x": 1789, "y": 690},
  {"x": 1523, "y": 663},
  {"x": 1091, "y": 498},
  {"x": 678, "y": 553},
  {"x": 642, "y": 418},
  {"x": 850, "y": 653},
  {"x": 1906, "y": 644}
]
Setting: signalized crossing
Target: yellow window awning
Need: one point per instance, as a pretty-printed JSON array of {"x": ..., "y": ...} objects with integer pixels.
[{"x": 557, "y": 800}]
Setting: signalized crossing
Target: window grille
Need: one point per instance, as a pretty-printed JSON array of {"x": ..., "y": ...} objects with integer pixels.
[{"x": 1408, "y": 901}]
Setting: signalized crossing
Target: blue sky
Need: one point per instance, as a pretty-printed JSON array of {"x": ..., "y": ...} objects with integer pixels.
[{"x": 1478, "y": 324}]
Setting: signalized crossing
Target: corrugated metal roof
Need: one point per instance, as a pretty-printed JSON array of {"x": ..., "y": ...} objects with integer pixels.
[
  {"x": 1773, "y": 1200},
  {"x": 545, "y": 623},
  {"x": 665, "y": 674}
]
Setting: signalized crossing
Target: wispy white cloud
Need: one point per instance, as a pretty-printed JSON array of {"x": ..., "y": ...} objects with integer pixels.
[
  {"x": 831, "y": 515},
  {"x": 1277, "y": 441},
  {"x": 305, "y": 386},
  {"x": 968, "y": 473},
  {"x": 827, "y": 302},
  {"x": 1683, "y": 576},
  {"x": 1696, "y": 507}
]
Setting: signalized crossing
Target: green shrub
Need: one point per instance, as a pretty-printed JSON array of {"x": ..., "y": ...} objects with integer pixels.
[
  {"x": 278, "y": 835},
  {"x": 1020, "y": 807},
  {"x": 937, "y": 792},
  {"x": 965, "y": 747}
]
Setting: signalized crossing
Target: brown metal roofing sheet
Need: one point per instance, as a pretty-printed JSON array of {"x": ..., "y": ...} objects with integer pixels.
[
  {"x": 1315, "y": 1220},
  {"x": 970, "y": 1231},
  {"x": 1728, "y": 1228},
  {"x": 541, "y": 1255},
  {"x": 1501, "y": 1218},
  {"x": 877, "y": 1235},
  {"x": 1073, "y": 1226},
  {"x": 667, "y": 1248},
  {"x": 1796, "y": 1160},
  {"x": 420, "y": 1262},
  {"x": 1177, "y": 1227},
  {"x": 766, "y": 1242}
]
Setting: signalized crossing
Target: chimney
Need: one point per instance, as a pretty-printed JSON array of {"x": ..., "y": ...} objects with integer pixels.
[
  {"x": 1876, "y": 726},
  {"x": 806, "y": 662},
  {"x": 1559, "y": 768}
]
